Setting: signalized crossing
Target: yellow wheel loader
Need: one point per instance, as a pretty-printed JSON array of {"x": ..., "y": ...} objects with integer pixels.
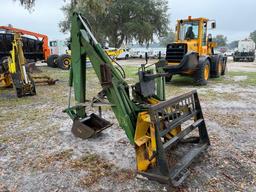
[{"x": 193, "y": 52}]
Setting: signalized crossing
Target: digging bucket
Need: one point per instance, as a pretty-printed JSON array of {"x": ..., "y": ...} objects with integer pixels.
[{"x": 89, "y": 126}]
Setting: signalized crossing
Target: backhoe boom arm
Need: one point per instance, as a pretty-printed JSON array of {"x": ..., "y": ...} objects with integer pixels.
[{"x": 83, "y": 44}]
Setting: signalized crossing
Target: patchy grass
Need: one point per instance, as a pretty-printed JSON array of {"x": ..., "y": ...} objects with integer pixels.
[
  {"x": 29, "y": 135},
  {"x": 45, "y": 161},
  {"x": 131, "y": 72},
  {"x": 58, "y": 91},
  {"x": 95, "y": 166},
  {"x": 179, "y": 80},
  {"x": 230, "y": 120},
  {"x": 55, "y": 73},
  {"x": 212, "y": 95},
  {"x": 250, "y": 81}
]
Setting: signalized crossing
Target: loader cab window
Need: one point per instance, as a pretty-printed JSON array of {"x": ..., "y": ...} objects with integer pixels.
[{"x": 188, "y": 30}]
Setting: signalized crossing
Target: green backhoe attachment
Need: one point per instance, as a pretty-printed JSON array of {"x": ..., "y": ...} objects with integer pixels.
[{"x": 158, "y": 129}]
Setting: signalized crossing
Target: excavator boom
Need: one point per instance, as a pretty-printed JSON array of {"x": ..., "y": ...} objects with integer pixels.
[
  {"x": 21, "y": 78},
  {"x": 16, "y": 72}
]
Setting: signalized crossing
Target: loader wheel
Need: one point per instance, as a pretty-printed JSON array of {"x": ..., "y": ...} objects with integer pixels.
[
  {"x": 19, "y": 92},
  {"x": 224, "y": 68},
  {"x": 64, "y": 62},
  {"x": 217, "y": 66},
  {"x": 52, "y": 61},
  {"x": 203, "y": 73},
  {"x": 4, "y": 64}
]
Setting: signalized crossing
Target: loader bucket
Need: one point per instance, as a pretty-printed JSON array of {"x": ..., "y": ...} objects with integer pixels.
[
  {"x": 180, "y": 135},
  {"x": 90, "y": 126}
]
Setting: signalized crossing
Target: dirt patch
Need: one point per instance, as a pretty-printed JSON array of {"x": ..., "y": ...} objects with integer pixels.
[
  {"x": 239, "y": 78},
  {"x": 226, "y": 120}
]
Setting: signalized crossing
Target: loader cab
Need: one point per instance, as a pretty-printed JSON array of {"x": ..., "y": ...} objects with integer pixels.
[
  {"x": 193, "y": 32},
  {"x": 188, "y": 30},
  {"x": 192, "y": 49}
]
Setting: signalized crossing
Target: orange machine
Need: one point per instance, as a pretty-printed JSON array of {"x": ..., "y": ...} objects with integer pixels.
[{"x": 46, "y": 50}]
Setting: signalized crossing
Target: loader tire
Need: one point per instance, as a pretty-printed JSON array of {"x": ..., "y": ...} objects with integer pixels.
[
  {"x": 52, "y": 61},
  {"x": 224, "y": 68},
  {"x": 203, "y": 73},
  {"x": 64, "y": 61},
  {"x": 217, "y": 66},
  {"x": 19, "y": 92},
  {"x": 4, "y": 64}
]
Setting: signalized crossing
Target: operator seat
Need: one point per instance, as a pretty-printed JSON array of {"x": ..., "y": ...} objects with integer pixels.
[{"x": 190, "y": 34}]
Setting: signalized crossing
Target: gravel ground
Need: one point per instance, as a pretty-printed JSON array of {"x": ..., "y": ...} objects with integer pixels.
[{"x": 39, "y": 153}]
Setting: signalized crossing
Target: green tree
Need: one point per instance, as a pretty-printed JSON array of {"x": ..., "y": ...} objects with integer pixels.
[
  {"x": 120, "y": 20},
  {"x": 93, "y": 10},
  {"x": 28, "y": 4},
  {"x": 221, "y": 40},
  {"x": 168, "y": 38},
  {"x": 253, "y": 36}
]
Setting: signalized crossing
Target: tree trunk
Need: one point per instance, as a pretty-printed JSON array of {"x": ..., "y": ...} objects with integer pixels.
[{"x": 120, "y": 41}]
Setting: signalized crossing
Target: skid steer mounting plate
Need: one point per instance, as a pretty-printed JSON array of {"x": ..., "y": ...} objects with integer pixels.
[
  {"x": 89, "y": 126},
  {"x": 176, "y": 152}
]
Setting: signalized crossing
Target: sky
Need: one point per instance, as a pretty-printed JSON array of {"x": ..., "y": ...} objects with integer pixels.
[
  {"x": 235, "y": 18},
  {"x": 43, "y": 19}
]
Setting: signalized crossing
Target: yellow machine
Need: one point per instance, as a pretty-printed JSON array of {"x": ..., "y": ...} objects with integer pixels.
[
  {"x": 193, "y": 52},
  {"x": 14, "y": 71},
  {"x": 5, "y": 76},
  {"x": 114, "y": 53}
]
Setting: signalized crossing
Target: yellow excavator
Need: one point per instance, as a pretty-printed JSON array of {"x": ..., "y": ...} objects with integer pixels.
[
  {"x": 15, "y": 72},
  {"x": 193, "y": 52}
]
